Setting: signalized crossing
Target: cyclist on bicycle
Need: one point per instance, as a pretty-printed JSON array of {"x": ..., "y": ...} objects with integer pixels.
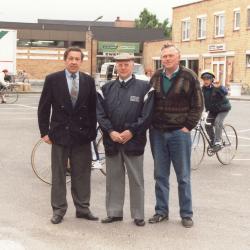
[
  {"x": 3, "y": 83},
  {"x": 218, "y": 106}
]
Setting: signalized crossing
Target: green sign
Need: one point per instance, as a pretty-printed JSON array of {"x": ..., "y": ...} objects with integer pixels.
[
  {"x": 118, "y": 47},
  {"x": 3, "y": 33}
]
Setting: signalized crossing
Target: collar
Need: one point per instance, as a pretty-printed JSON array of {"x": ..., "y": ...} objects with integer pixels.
[
  {"x": 126, "y": 80},
  {"x": 173, "y": 74},
  {"x": 68, "y": 74}
]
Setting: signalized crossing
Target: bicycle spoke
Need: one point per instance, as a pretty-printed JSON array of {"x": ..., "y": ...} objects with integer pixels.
[
  {"x": 198, "y": 148},
  {"x": 101, "y": 151},
  {"x": 229, "y": 145},
  {"x": 41, "y": 162},
  {"x": 10, "y": 95}
]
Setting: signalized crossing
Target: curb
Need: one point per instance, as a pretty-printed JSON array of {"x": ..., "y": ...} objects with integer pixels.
[{"x": 239, "y": 98}]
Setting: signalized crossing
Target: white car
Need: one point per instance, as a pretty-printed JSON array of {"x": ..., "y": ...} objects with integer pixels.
[{"x": 108, "y": 72}]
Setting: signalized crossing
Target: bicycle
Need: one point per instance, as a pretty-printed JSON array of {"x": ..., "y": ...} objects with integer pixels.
[
  {"x": 202, "y": 143},
  {"x": 41, "y": 165},
  {"x": 21, "y": 76},
  {"x": 9, "y": 92}
]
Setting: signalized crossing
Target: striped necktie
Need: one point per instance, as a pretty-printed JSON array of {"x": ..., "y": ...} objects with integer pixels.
[{"x": 74, "y": 89}]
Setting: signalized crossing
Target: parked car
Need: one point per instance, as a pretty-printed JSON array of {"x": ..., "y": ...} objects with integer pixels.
[{"x": 108, "y": 72}]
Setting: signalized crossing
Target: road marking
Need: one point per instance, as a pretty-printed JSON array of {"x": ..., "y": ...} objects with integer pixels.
[
  {"x": 241, "y": 159},
  {"x": 22, "y": 118},
  {"x": 244, "y": 138},
  {"x": 25, "y": 106},
  {"x": 11, "y": 245},
  {"x": 243, "y": 130},
  {"x": 236, "y": 174}
]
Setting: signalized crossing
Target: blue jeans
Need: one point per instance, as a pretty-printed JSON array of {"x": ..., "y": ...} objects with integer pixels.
[{"x": 172, "y": 147}]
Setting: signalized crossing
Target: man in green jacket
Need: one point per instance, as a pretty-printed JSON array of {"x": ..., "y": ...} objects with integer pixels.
[{"x": 177, "y": 110}]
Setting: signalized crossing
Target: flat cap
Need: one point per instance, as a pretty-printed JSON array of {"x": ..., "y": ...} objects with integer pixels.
[{"x": 124, "y": 57}]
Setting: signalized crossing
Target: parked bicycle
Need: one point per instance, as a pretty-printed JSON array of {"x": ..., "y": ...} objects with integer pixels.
[
  {"x": 21, "y": 76},
  {"x": 9, "y": 93},
  {"x": 201, "y": 143},
  {"x": 41, "y": 161}
]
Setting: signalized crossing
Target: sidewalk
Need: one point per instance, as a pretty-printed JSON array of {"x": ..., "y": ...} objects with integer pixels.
[
  {"x": 240, "y": 98},
  {"x": 37, "y": 89}
]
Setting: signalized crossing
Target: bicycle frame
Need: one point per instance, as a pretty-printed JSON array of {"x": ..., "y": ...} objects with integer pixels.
[{"x": 200, "y": 137}]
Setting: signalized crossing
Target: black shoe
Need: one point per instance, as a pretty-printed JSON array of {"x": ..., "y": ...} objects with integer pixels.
[
  {"x": 112, "y": 219},
  {"x": 139, "y": 223},
  {"x": 88, "y": 216},
  {"x": 187, "y": 222},
  {"x": 56, "y": 219},
  {"x": 158, "y": 218}
]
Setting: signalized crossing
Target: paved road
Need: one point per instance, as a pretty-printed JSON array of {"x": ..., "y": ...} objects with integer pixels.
[{"x": 220, "y": 198}]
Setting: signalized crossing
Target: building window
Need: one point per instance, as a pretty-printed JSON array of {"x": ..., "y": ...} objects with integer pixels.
[
  {"x": 50, "y": 44},
  {"x": 236, "y": 19},
  {"x": 219, "y": 25},
  {"x": 185, "y": 27},
  {"x": 248, "y": 61},
  {"x": 248, "y": 17},
  {"x": 201, "y": 24},
  {"x": 157, "y": 64},
  {"x": 192, "y": 64}
]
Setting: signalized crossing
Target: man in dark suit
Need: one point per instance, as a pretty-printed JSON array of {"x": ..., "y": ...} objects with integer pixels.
[{"x": 67, "y": 120}]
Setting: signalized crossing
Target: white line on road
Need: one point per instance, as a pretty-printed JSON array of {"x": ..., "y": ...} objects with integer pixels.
[
  {"x": 244, "y": 138},
  {"x": 21, "y": 118},
  {"x": 243, "y": 130},
  {"x": 9, "y": 106},
  {"x": 241, "y": 159}
]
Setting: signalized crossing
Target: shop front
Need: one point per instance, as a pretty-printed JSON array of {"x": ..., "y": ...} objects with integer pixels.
[{"x": 107, "y": 50}]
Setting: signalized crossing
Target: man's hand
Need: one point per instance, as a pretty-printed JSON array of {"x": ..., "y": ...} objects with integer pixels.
[
  {"x": 126, "y": 136},
  {"x": 116, "y": 137},
  {"x": 185, "y": 130},
  {"x": 47, "y": 139},
  {"x": 216, "y": 84}
]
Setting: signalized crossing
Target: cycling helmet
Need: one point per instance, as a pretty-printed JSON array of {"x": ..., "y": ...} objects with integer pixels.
[{"x": 208, "y": 74}]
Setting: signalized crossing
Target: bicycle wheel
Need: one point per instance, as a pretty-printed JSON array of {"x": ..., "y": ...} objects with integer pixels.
[
  {"x": 101, "y": 151},
  {"x": 229, "y": 145},
  {"x": 41, "y": 162},
  {"x": 10, "y": 95},
  {"x": 198, "y": 148}
]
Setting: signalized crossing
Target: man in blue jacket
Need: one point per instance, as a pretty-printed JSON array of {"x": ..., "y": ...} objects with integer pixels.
[{"x": 124, "y": 108}]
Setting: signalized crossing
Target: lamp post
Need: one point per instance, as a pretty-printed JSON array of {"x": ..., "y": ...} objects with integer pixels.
[{"x": 91, "y": 42}]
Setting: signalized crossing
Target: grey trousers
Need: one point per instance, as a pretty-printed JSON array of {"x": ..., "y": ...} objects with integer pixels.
[
  {"x": 215, "y": 123},
  {"x": 80, "y": 163},
  {"x": 115, "y": 184}
]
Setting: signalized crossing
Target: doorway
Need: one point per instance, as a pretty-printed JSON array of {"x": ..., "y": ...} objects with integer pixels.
[{"x": 219, "y": 71}]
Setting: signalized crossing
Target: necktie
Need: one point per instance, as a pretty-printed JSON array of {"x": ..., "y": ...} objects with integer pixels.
[
  {"x": 74, "y": 89},
  {"x": 123, "y": 83}
]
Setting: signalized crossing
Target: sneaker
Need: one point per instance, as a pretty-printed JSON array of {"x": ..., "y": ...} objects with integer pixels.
[
  {"x": 216, "y": 147},
  {"x": 187, "y": 222},
  {"x": 96, "y": 165},
  {"x": 158, "y": 218}
]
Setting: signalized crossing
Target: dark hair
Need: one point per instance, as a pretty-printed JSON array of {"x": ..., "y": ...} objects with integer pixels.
[
  {"x": 169, "y": 45},
  {"x": 66, "y": 53}
]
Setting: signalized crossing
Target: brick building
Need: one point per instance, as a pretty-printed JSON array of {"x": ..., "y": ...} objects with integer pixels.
[
  {"x": 40, "y": 46},
  {"x": 215, "y": 34}
]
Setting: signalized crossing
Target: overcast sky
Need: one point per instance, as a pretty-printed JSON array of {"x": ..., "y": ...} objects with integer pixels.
[{"x": 82, "y": 10}]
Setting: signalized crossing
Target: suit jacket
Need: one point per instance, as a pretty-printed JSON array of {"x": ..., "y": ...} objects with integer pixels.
[{"x": 58, "y": 119}]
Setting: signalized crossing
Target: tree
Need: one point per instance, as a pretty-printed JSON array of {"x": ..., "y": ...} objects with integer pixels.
[{"x": 149, "y": 20}]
